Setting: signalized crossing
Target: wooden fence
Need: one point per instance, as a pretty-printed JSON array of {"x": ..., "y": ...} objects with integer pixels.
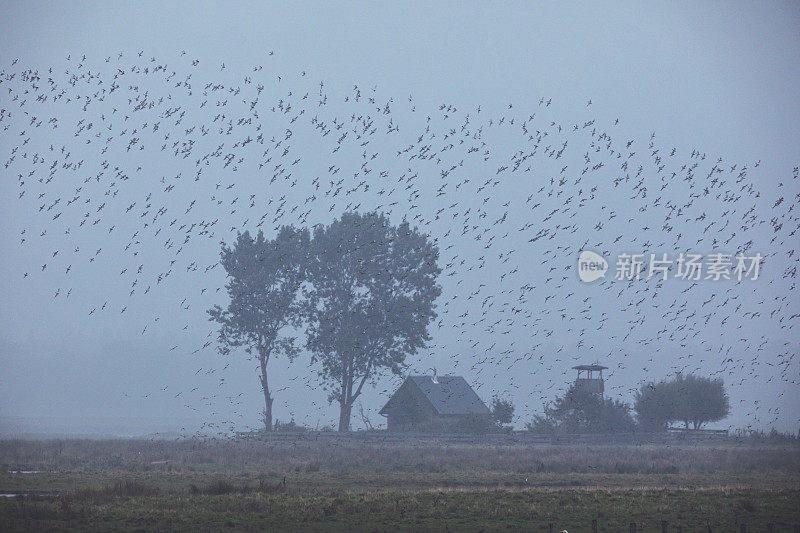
[{"x": 674, "y": 436}]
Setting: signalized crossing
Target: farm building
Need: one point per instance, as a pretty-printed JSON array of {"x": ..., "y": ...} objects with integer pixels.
[{"x": 431, "y": 404}]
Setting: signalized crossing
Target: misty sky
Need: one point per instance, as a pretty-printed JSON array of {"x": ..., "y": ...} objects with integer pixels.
[{"x": 500, "y": 130}]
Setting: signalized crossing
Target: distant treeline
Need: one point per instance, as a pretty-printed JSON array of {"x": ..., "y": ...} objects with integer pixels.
[{"x": 686, "y": 399}]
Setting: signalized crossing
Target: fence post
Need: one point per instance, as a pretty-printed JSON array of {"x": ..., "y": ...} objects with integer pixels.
[
  {"x": 594, "y": 526},
  {"x": 663, "y": 526},
  {"x": 550, "y": 527}
]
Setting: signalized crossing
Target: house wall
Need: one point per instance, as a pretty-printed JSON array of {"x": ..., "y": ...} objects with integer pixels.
[{"x": 437, "y": 424}]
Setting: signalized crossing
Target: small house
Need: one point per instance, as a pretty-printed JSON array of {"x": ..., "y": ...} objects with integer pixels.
[{"x": 436, "y": 404}]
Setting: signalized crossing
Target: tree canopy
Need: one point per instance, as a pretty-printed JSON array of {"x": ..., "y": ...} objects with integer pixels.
[
  {"x": 264, "y": 277},
  {"x": 581, "y": 411},
  {"x": 372, "y": 288},
  {"x": 688, "y": 399},
  {"x": 502, "y": 411}
]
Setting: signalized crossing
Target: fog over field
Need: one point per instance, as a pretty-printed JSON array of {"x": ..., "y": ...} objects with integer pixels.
[{"x": 138, "y": 139}]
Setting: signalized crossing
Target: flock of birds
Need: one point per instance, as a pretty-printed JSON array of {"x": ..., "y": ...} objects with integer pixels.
[{"x": 124, "y": 174}]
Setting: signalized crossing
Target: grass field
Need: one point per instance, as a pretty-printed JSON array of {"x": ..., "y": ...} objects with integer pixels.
[{"x": 135, "y": 485}]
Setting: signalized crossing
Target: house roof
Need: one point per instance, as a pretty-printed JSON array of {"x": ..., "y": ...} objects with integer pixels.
[{"x": 448, "y": 395}]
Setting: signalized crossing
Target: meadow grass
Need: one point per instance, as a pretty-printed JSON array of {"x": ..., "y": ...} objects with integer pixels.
[
  {"x": 73, "y": 454},
  {"x": 158, "y": 485},
  {"x": 721, "y": 509}
]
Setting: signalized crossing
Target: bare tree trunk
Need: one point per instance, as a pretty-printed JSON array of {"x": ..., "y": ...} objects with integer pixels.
[
  {"x": 364, "y": 419},
  {"x": 267, "y": 411},
  {"x": 267, "y": 397},
  {"x": 348, "y": 397},
  {"x": 345, "y": 401},
  {"x": 344, "y": 417}
]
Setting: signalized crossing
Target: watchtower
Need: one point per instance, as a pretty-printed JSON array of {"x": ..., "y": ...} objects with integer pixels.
[{"x": 590, "y": 378}]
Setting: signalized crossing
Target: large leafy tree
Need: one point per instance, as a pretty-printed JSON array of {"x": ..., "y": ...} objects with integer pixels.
[
  {"x": 700, "y": 400},
  {"x": 686, "y": 398},
  {"x": 371, "y": 298},
  {"x": 581, "y": 411},
  {"x": 655, "y": 405},
  {"x": 264, "y": 278}
]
